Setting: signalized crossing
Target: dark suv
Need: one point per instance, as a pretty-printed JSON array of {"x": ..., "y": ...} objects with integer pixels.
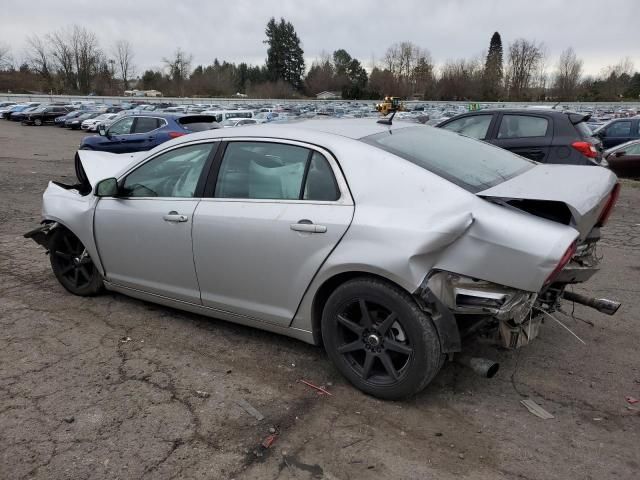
[
  {"x": 543, "y": 135},
  {"x": 46, "y": 114},
  {"x": 618, "y": 131}
]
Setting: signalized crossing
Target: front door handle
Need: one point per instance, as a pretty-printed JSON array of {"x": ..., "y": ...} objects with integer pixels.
[
  {"x": 307, "y": 226},
  {"x": 175, "y": 217}
]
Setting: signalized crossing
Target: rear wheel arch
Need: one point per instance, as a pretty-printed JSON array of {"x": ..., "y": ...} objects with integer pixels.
[{"x": 329, "y": 286}]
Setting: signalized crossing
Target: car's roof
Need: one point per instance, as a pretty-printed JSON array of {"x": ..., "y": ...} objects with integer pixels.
[
  {"x": 351, "y": 128},
  {"x": 535, "y": 110}
]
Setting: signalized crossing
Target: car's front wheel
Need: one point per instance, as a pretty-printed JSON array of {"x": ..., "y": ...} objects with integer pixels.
[
  {"x": 37, "y": 122},
  {"x": 72, "y": 265},
  {"x": 379, "y": 339}
]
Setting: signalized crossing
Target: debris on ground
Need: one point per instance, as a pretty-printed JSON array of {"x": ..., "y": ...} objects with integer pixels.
[
  {"x": 321, "y": 391},
  {"x": 125, "y": 339},
  {"x": 69, "y": 419},
  {"x": 247, "y": 407},
  {"x": 631, "y": 400},
  {"x": 268, "y": 441},
  {"x": 536, "y": 409},
  {"x": 202, "y": 394}
]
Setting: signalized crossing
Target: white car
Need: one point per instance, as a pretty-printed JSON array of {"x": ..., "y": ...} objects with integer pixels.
[
  {"x": 238, "y": 122},
  {"x": 386, "y": 243},
  {"x": 92, "y": 124}
]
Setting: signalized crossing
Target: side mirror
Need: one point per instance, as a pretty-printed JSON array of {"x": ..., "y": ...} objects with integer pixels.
[
  {"x": 620, "y": 154},
  {"x": 102, "y": 131},
  {"x": 107, "y": 188}
]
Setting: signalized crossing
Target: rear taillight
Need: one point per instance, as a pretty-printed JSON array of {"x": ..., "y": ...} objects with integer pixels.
[
  {"x": 608, "y": 208},
  {"x": 586, "y": 149},
  {"x": 566, "y": 258},
  {"x": 176, "y": 134}
]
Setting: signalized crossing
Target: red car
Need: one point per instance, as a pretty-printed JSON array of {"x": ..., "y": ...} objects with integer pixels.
[{"x": 624, "y": 159}]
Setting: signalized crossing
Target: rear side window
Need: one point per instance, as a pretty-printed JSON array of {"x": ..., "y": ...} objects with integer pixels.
[
  {"x": 619, "y": 129},
  {"x": 145, "y": 124},
  {"x": 472, "y": 165},
  {"x": 520, "y": 126},
  {"x": 475, "y": 126},
  {"x": 275, "y": 171}
]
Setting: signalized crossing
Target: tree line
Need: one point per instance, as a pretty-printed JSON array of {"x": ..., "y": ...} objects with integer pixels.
[{"x": 71, "y": 61}]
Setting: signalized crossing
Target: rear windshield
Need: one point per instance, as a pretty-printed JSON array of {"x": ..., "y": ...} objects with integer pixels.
[
  {"x": 470, "y": 164},
  {"x": 197, "y": 123}
]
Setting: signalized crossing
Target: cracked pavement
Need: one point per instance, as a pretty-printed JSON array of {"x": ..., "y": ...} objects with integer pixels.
[{"x": 115, "y": 388}]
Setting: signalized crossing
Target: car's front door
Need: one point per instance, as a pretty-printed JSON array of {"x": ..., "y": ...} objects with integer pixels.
[
  {"x": 617, "y": 132},
  {"x": 276, "y": 213},
  {"x": 142, "y": 136},
  {"x": 144, "y": 234},
  {"x": 527, "y": 135},
  {"x": 116, "y": 133}
]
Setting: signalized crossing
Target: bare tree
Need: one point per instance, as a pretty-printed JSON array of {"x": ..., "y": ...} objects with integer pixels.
[
  {"x": 6, "y": 61},
  {"x": 123, "y": 53},
  {"x": 461, "y": 79},
  {"x": 523, "y": 65},
  {"x": 568, "y": 75},
  {"x": 411, "y": 66},
  {"x": 39, "y": 58},
  {"x": 179, "y": 67},
  {"x": 62, "y": 58}
]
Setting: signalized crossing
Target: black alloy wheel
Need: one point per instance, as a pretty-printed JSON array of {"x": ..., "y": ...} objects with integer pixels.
[
  {"x": 379, "y": 338},
  {"x": 72, "y": 265}
]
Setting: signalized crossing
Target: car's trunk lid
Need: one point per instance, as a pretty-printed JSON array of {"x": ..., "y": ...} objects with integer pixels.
[{"x": 583, "y": 190}]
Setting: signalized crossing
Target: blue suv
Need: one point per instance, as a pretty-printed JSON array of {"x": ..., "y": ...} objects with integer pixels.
[{"x": 143, "y": 131}]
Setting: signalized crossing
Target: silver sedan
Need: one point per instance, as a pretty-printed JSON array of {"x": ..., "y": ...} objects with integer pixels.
[{"x": 387, "y": 244}]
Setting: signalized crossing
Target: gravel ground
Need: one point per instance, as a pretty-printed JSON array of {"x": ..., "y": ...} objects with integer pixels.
[{"x": 115, "y": 388}]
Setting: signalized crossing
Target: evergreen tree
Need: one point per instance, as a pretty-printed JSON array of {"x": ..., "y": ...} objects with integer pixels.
[
  {"x": 493, "y": 73},
  {"x": 285, "y": 59}
]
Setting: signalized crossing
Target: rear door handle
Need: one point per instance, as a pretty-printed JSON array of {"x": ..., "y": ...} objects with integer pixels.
[
  {"x": 175, "y": 217},
  {"x": 307, "y": 226}
]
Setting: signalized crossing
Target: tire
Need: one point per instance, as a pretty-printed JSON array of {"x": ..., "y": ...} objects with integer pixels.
[
  {"x": 37, "y": 122},
  {"x": 394, "y": 336},
  {"x": 72, "y": 266}
]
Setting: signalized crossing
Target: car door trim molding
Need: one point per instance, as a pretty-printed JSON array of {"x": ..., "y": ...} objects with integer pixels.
[{"x": 300, "y": 334}]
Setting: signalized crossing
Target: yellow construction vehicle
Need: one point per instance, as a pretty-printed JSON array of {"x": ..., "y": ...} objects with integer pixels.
[{"x": 390, "y": 104}]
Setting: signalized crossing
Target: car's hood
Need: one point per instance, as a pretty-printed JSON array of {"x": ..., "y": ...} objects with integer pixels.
[
  {"x": 584, "y": 190},
  {"x": 100, "y": 165}
]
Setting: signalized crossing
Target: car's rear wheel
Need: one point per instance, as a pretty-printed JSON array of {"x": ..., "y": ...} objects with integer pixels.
[
  {"x": 37, "y": 122},
  {"x": 72, "y": 265},
  {"x": 379, "y": 339}
]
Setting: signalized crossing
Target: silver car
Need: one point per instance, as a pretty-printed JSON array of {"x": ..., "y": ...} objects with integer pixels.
[{"x": 387, "y": 244}]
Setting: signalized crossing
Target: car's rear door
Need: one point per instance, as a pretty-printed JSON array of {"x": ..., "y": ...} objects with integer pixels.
[
  {"x": 277, "y": 210},
  {"x": 528, "y": 135},
  {"x": 144, "y": 234}
]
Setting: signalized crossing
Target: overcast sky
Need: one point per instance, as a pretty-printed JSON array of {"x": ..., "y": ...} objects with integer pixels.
[{"x": 601, "y": 31}]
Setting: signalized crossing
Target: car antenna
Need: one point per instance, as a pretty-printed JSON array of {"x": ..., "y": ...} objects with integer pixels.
[
  {"x": 388, "y": 121},
  {"x": 554, "y": 107}
]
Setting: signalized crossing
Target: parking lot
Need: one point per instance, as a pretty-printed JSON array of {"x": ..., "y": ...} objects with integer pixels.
[{"x": 114, "y": 388}]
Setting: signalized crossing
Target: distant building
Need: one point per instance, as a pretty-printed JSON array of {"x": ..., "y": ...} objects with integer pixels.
[
  {"x": 142, "y": 93},
  {"x": 329, "y": 96}
]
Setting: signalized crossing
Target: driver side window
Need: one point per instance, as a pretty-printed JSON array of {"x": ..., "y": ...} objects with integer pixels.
[
  {"x": 172, "y": 174},
  {"x": 122, "y": 127}
]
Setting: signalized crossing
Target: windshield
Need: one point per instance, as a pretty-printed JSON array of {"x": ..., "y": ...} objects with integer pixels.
[{"x": 468, "y": 163}]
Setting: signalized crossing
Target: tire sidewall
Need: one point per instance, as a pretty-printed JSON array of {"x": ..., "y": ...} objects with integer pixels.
[
  {"x": 425, "y": 360},
  {"x": 92, "y": 288}
]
